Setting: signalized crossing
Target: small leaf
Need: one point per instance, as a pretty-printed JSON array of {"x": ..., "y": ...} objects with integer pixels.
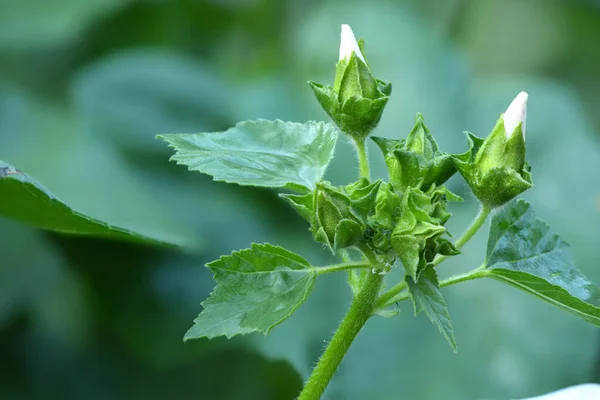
[
  {"x": 303, "y": 204},
  {"x": 24, "y": 199},
  {"x": 426, "y": 296},
  {"x": 257, "y": 289},
  {"x": 388, "y": 313},
  {"x": 408, "y": 247},
  {"x": 260, "y": 153},
  {"x": 524, "y": 252}
]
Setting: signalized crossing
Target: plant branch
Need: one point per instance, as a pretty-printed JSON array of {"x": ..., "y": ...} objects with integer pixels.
[
  {"x": 387, "y": 296},
  {"x": 477, "y": 273},
  {"x": 342, "y": 267},
  {"x": 469, "y": 233},
  {"x": 399, "y": 296},
  {"x": 358, "y": 314},
  {"x": 363, "y": 159}
]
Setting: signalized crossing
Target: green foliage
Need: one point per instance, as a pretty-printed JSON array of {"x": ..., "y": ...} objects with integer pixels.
[
  {"x": 24, "y": 199},
  {"x": 260, "y": 153},
  {"x": 523, "y": 252},
  {"x": 257, "y": 289},
  {"x": 79, "y": 105},
  {"x": 426, "y": 296}
]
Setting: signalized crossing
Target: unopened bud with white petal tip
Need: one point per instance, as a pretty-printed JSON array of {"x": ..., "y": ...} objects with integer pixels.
[
  {"x": 356, "y": 100},
  {"x": 516, "y": 114},
  {"x": 349, "y": 45},
  {"x": 495, "y": 168}
]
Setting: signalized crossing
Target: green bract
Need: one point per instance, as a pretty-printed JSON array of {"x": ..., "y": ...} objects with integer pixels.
[
  {"x": 357, "y": 99},
  {"x": 416, "y": 161},
  {"x": 417, "y": 234},
  {"x": 495, "y": 168}
]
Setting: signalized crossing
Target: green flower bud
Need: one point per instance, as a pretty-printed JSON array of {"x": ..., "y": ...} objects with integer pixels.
[
  {"x": 416, "y": 161},
  {"x": 341, "y": 214},
  {"x": 357, "y": 99},
  {"x": 338, "y": 215},
  {"x": 495, "y": 168},
  {"x": 416, "y": 237}
]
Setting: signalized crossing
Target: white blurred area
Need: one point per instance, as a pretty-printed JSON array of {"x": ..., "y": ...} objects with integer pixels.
[{"x": 588, "y": 391}]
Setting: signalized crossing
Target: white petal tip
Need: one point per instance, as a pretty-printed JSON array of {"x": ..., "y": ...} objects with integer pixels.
[
  {"x": 515, "y": 114},
  {"x": 348, "y": 44}
]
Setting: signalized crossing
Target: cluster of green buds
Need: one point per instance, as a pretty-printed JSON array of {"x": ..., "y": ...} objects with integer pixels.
[
  {"x": 357, "y": 99},
  {"x": 401, "y": 219},
  {"x": 404, "y": 219}
]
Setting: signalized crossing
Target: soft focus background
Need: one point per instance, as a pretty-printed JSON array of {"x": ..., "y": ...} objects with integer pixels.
[{"x": 86, "y": 85}]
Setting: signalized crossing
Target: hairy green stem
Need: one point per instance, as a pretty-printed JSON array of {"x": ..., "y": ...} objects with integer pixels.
[
  {"x": 387, "y": 296},
  {"x": 358, "y": 314},
  {"x": 477, "y": 273},
  {"x": 342, "y": 267},
  {"x": 363, "y": 159},
  {"x": 369, "y": 254},
  {"x": 469, "y": 233},
  {"x": 475, "y": 226}
]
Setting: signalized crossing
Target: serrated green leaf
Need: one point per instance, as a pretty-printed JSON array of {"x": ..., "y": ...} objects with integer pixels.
[
  {"x": 257, "y": 289},
  {"x": 524, "y": 252},
  {"x": 260, "y": 153},
  {"x": 24, "y": 199},
  {"x": 426, "y": 296}
]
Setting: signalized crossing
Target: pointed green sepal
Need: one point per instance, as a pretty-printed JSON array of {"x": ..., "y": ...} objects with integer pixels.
[
  {"x": 303, "y": 204},
  {"x": 495, "y": 168}
]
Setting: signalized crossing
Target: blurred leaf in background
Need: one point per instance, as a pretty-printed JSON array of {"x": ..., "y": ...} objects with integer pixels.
[{"x": 86, "y": 86}]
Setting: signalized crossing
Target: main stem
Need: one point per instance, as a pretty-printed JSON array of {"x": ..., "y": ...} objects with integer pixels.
[
  {"x": 358, "y": 314},
  {"x": 363, "y": 159}
]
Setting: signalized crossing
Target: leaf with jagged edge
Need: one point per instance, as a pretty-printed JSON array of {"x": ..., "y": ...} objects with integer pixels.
[
  {"x": 426, "y": 296},
  {"x": 257, "y": 289},
  {"x": 260, "y": 153},
  {"x": 523, "y": 251}
]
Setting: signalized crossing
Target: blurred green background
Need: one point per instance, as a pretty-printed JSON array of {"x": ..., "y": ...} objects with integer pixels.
[{"x": 86, "y": 85}]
